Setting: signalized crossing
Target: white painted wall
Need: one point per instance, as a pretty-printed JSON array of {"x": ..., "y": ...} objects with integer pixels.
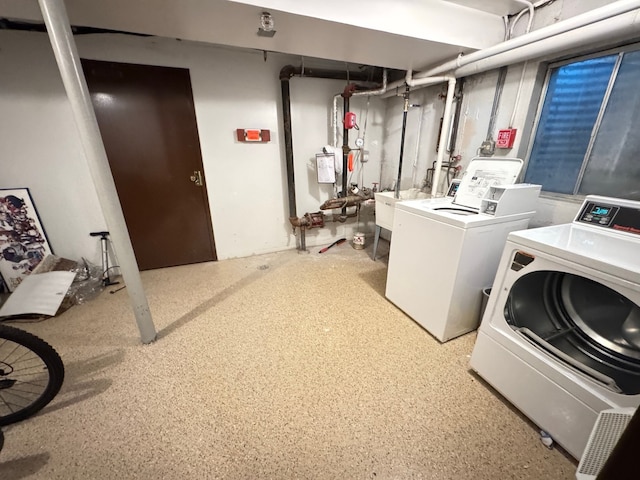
[
  {"x": 421, "y": 137},
  {"x": 232, "y": 89},
  {"x": 41, "y": 149}
]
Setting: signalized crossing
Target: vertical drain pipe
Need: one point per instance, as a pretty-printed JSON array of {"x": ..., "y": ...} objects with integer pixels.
[
  {"x": 345, "y": 151},
  {"x": 65, "y": 51},
  {"x": 346, "y": 95},
  {"x": 285, "y": 75},
  {"x": 444, "y": 135},
  {"x": 404, "y": 131}
]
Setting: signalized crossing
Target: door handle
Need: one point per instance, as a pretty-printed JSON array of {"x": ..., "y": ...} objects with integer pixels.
[{"x": 196, "y": 177}]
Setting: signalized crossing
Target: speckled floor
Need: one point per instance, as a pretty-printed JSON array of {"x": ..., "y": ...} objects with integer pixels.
[{"x": 287, "y": 365}]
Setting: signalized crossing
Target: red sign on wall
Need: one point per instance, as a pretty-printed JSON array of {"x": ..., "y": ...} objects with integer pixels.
[
  {"x": 506, "y": 138},
  {"x": 253, "y": 135}
]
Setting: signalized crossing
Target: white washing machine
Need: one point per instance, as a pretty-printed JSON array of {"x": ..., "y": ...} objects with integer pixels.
[
  {"x": 443, "y": 255},
  {"x": 560, "y": 337}
]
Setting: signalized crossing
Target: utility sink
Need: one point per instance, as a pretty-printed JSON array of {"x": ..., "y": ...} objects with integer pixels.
[{"x": 386, "y": 203}]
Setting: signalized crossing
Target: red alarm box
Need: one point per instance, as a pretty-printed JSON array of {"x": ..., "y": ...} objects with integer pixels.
[
  {"x": 506, "y": 138},
  {"x": 349, "y": 120}
]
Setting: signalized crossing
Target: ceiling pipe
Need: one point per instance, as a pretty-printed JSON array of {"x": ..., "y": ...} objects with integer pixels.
[
  {"x": 608, "y": 21},
  {"x": 392, "y": 89},
  {"x": 622, "y": 26},
  {"x": 614, "y": 9},
  {"x": 424, "y": 81},
  {"x": 382, "y": 90}
]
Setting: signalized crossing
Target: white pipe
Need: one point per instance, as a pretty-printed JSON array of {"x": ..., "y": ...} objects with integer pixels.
[
  {"x": 380, "y": 91},
  {"x": 334, "y": 114},
  {"x": 531, "y": 10},
  {"x": 417, "y": 153},
  {"x": 518, "y": 93},
  {"x": 444, "y": 135},
  {"x": 419, "y": 82},
  {"x": 611, "y": 10},
  {"x": 620, "y": 26},
  {"x": 415, "y": 82},
  {"x": 64, "y": 48},
  {"x": 335, "y": 120}
]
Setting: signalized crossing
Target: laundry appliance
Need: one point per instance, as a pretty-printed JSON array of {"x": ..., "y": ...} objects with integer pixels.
[
  {"x": 386, "y": 202},
  {"x": 443, "y": 253},
  {"x": 560, "y": 336}
]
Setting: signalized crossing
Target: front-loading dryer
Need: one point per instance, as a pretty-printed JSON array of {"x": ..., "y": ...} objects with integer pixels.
[{"x": 560, "y": 337}]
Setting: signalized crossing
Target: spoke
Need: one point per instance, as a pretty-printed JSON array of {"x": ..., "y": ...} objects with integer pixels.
[
  {"x": 5, "y": 402},
  {"x": 19, "y": 405},
  {"x": 33, "y": 394},
  {"x": 40, "y": 368},
  {"x": 26, "y": 352},
  {"x": 41, "y": 385},
  {"x": 12, "y": 351},
  {"x": 20, "y": 356}
]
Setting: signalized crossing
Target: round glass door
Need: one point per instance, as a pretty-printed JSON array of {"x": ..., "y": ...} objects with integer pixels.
[{"x": 581, "y": 322}]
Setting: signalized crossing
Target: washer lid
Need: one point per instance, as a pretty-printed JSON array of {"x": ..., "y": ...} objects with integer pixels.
[{"x": 483, "y": 173}]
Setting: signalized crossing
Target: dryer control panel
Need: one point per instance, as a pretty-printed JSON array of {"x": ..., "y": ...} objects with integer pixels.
[{"x": 616, "y": 214}]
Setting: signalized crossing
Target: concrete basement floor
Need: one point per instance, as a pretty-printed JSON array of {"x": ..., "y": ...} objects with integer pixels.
[{"x": 286, "y": 365}]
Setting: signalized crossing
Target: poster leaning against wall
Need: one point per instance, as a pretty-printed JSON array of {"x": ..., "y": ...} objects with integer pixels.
[{"x": 23, "y": 242}]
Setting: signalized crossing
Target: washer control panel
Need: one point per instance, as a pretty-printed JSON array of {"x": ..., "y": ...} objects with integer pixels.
[{"x": 624, "y": 218}]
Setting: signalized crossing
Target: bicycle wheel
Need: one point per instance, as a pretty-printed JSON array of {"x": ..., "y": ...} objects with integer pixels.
[{"x": 31, "y": 374}]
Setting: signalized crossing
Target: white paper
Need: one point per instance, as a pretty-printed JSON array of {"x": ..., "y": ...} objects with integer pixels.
[
  {"x": 325, "y": 164},
  {"x": 40, "y": 293}
]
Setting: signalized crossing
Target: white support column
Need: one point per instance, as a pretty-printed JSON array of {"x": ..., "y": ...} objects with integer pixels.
[
  {"x": 444, "y": 135},
  {"x": 65, "y": 51}
]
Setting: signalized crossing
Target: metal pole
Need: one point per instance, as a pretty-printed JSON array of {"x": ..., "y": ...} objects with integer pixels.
[
  {"x": 64, "y": 49},
  {"x": 288, "y": 145},
  {"x": 345, "y": 152},
  {"x": 404, "y": 130},
  {"x": 444, "y": 135}
]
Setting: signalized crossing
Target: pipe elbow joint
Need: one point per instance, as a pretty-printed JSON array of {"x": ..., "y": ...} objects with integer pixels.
[{"x": 287, "y": 72}]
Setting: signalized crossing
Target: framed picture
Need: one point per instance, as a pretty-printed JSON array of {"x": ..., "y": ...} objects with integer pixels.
[{"x": 23, "y": 242}]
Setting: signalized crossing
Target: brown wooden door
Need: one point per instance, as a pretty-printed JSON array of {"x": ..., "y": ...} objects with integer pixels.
[{"x": 148, "y": 124}]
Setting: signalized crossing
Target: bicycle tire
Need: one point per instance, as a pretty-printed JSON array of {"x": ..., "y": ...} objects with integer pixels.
[{"x": 31, "y": 374}]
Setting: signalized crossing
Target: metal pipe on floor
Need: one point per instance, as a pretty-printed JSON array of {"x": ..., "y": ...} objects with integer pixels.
[{"x": 65, "y": 51}]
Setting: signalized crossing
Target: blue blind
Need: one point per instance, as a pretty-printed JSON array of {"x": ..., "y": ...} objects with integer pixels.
[
  {"x": 573, "y": 100},
  {"x": 613, "y": 168}
]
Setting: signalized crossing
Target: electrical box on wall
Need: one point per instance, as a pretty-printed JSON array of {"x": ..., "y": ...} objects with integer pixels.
[
  {"x": 506, "y": 138},
  {"x": 253, "y": 135}
]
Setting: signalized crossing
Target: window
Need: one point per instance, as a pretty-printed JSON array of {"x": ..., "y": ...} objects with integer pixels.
[{"x": 587, "y": 139}]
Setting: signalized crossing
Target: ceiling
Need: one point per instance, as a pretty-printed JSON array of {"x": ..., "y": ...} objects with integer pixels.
[{"x": 401, "y": 34}]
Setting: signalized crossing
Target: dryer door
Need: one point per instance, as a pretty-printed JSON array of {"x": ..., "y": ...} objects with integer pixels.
[{"x": 583, "y": 323}]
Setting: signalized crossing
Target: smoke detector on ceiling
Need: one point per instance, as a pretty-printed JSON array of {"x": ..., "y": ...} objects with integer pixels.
[{"x": 267, "y": 25}]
